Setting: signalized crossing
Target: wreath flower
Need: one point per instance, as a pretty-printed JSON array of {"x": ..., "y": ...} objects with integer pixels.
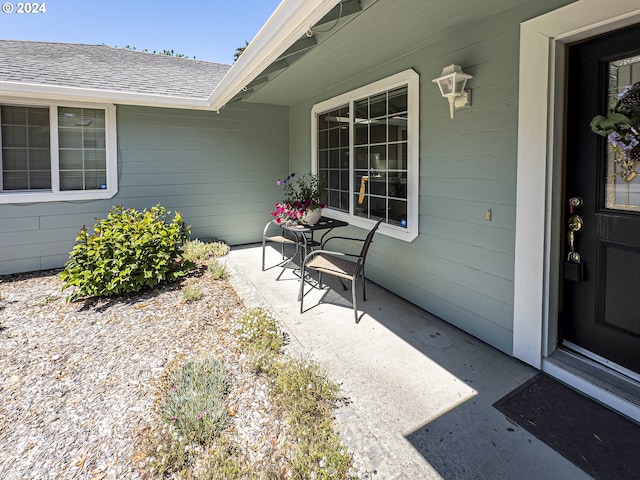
[{"x": 621, "y": 127}]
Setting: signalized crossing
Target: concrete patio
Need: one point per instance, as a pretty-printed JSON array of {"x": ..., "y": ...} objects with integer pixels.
[{"x": 421, "y": 390}]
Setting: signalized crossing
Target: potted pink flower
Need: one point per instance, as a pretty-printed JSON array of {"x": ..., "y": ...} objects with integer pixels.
[{"x": 301, "y": 203}]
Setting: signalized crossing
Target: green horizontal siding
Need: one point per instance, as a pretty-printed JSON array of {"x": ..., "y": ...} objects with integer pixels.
[
  {"x": 461, "y": 266},
  {"x": 219, "y": 170}
]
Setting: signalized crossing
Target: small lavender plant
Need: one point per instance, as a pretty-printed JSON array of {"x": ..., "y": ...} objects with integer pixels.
[{"x": 194, "y": 405}]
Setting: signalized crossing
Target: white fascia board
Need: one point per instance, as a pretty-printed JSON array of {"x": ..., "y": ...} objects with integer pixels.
[
  {"x": 583, "y": 18},
  {"x": 61, "y": 93},
  {"x": 290, "y": 21}
]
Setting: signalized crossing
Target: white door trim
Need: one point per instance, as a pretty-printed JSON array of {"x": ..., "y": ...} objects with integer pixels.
[{"x": 538, "y": 228}]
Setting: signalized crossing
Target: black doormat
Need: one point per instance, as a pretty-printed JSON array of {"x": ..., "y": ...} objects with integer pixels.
[{"x": 596, "y": 439}]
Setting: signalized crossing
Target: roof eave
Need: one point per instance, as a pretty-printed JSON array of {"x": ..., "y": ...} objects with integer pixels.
[
  {"x": 291, "y": 20},
  {"x": 56, "y": 92},
  {"x": 288, "y": 23}
]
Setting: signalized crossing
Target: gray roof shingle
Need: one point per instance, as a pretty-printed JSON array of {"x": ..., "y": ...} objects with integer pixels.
[{"x": 107, "y": 68}]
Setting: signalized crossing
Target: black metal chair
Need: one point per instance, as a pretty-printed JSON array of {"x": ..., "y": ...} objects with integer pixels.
[
  {"x": 344, "y": 266},
  {"x": 283, "y": 238}
]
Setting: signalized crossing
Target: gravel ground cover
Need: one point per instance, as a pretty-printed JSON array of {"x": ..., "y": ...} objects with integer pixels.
[{"x": 78, "y": 380}]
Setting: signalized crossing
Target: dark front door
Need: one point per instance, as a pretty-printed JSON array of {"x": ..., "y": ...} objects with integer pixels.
[{"x": 600, "y": 312}]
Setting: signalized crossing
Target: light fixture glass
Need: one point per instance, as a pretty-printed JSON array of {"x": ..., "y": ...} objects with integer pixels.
[{"x": 451, "y": 84}]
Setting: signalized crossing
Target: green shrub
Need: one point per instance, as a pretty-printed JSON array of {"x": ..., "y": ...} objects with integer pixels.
[
  {"x": 164, "y": 453},
  {"x": 320, "y": 454},
  {"x": 191, "y": 293},
  {"x": 217, "y": 269},
  {"x": 129, "y": 251},
  {"x": 304, "y": 390},
  {"x": 306, "y": 395},
  {"x": 228, "y": 462},
  {"x": 258, "y": 330},
  {"x": 199, "y": 250},
  {"x": 194, "y": 402}
]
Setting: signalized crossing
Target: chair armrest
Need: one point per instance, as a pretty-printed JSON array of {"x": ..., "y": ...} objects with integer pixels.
[
  {"x": 341, "y": 238},
  {"x": 283, "y": 231},
  {"x": 271, "y": 225}
]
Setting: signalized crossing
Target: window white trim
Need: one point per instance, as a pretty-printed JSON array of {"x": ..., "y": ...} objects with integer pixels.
[
  {"x": 55, "y": 194},
  {"x": 412, "y": 80}
]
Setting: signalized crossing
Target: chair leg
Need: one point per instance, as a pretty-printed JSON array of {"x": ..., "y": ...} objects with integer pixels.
[
  {"x": 364, "y": 293},
  {"x": 301, "y": 291},
  {"x": 284, "y": 264},
  {"x": 284, "y": 267},
  {"x": 263, "y": 248},
  {"x": 353, "y": 292}
]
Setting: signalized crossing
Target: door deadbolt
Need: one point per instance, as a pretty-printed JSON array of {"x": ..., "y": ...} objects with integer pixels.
[{"x": 574, "y": 202}]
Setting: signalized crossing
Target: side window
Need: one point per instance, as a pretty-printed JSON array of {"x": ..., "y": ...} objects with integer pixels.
[
  {"x": 82, "y": 149},
  {"x": 26, "y": 151},
  {"x": 57, "y": 152}
]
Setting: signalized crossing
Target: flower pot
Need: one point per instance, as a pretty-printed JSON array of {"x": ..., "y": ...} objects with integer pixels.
[{"x": 311, "y": 217}]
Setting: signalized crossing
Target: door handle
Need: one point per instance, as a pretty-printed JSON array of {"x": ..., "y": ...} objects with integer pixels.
[
  {"x": 573, "y": 268},
  {"x": 575, "y": 225}
]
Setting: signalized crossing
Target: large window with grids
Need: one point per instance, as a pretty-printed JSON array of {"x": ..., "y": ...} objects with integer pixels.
[
  {"x": 365, "y": 151},
  {"x": 52, "y": 152}
]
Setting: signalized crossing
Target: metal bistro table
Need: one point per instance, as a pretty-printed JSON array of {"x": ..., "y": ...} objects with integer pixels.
[{"x": 305, "y": 234}]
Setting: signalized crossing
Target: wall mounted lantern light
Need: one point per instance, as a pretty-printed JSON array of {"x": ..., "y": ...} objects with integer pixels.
[{"x": 452, "y": 83}]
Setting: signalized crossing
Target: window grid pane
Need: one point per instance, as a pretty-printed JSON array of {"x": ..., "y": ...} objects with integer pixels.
[
  {"x": 333, "y": 157},
  {"x": 381, "y": 170},
  {"x": 82, "y": 148},
  {"x": 26, "y": 158}
]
